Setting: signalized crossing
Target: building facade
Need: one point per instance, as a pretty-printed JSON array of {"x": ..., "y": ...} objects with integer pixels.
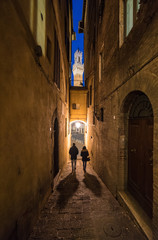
[
  {"x": 121, "y": 74},
  {"x": 35, "y": 50}
]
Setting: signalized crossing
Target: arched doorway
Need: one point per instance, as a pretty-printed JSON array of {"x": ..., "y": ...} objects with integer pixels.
[
  {"x": 78, "y": 134},
  {"x": 56, "y": 147},
  {"x": 140, "y": 149}
]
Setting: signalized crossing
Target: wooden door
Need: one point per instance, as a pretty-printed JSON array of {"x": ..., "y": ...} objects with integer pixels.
[
  {"x": 140, "y": 154},
  {"x": 56, "y": 147}
]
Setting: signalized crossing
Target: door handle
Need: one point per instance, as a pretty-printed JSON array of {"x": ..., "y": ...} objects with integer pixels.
[
  {"x": 133, "y": 150},
  {"x": 151, "y": 161}
]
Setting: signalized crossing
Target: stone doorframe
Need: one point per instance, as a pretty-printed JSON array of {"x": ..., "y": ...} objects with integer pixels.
[
  {"x": 122, "y": 193},
  {"x": 150, "y": 228},
  {"x": 127, "y": 104},
  {"x": 55, "y": 116}
]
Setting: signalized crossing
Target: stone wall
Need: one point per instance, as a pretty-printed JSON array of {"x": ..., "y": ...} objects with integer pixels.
[
  {"x": 29, "y": 97},
  {"x": 128, "y": 64}
]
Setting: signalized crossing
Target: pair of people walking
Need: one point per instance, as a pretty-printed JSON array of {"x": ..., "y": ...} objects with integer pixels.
[{"x": 74, "y": 152}]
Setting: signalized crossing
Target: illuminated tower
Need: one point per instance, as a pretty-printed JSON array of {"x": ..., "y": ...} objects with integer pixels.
[{"x": 78, "y": 69}]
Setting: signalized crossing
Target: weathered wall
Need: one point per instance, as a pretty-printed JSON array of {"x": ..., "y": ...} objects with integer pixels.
[
  {"x": 101, "y": 139},
  {"x": 28, "y": 99},
  {"x": 90, "y": 120},
  {"x": 78, "y": 96},
  {"x": 128, "y": 67}
]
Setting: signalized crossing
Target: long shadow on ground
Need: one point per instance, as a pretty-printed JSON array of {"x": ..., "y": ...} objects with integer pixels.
[
  {"x": 67, "y": 187},
  {"x": 93, "y": 184}
]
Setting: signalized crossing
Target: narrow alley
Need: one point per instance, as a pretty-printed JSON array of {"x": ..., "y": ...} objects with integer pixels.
[
  {"x": 81, "y": 207},
  {"x": 81, "y": 72}
]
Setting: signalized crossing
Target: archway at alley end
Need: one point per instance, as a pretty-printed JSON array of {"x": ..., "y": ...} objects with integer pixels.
[{"x": 78, "y": 130}]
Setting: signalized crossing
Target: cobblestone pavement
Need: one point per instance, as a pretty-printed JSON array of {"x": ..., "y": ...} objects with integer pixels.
[{"x": 82, "y": 208}]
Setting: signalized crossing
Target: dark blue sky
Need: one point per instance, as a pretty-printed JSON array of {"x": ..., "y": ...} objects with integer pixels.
[{"x": 77, "y": 16}]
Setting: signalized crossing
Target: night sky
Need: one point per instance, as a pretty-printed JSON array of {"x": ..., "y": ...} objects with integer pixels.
[{"x": 77, "y": 16}]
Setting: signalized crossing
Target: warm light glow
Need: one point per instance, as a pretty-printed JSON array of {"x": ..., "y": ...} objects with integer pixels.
[{"x": 78, "y": 124}]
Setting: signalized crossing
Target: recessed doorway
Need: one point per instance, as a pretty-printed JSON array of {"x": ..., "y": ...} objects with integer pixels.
[
  {"x": 136, "y": 150},
  {"x": 56, "y": 147},
  {"x": 140, "y": 152}
]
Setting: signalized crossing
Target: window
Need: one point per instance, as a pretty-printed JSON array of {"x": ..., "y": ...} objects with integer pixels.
[
  {"x": 131, "y": 9},
  {"x": 56, "y": 61},
  {"x": 100, "y": 66},
  {"x": 75, "y": 106},
  {"x": 41, "y": 24},
  {"x": 66, "y": 39},
  {"x": 88, "y": 100},
  {"x": 93, "y": 118},
  {"x": 102, "y": 114},
  {"x": 65, "y": 127},
  {"x": 67, "y": 6},
  {"x": 94, "y": 39},
  {"x": 90, "y": 97},
  {"x": 49, "y": 47},
  {"x": 101, "y": 9},
  {"x": 65, "y": 31},
  {"x": 66, "y": 91}
]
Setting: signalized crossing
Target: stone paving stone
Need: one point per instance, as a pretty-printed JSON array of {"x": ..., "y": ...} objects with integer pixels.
[{"x": 82, "y": 208}]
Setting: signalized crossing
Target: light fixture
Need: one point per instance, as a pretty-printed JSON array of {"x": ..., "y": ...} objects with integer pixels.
[
  {"x": 78, "y": 124},
  {"x": 38, "y": 51}
]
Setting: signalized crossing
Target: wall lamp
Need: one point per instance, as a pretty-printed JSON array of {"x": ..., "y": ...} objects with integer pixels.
[{"x": 38, "y": 51}]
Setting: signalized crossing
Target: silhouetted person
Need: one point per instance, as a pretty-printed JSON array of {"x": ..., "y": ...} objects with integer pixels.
[
  {"x": 73, "y": 152},
  {"x": 84, "y": 154}
]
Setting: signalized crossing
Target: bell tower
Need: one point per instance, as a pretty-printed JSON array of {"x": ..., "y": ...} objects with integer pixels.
[{"x": 78, "y": 69}]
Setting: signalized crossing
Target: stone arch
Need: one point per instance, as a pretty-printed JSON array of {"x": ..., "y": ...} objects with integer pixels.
[
  {"x": 78, "y": 135},
  {"x": 136, "y": 133},
  {"x": 132, "y": 100}
]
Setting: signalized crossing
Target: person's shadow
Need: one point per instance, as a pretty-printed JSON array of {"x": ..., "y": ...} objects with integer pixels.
[
  {"x": 67, "y": 187},
  {"x": 93, "y": 184}
]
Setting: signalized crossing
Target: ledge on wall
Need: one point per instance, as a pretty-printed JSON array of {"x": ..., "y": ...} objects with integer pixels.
[{"x": 136, "y": 212}]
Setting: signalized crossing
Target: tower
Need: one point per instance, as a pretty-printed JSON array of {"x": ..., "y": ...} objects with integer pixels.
[{"x": 78, "y": 69}]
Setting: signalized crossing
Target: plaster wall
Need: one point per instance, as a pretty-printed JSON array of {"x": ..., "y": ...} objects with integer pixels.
[
  {"x": 78, "y": 96},
  {"x": 28, "y": 100}
]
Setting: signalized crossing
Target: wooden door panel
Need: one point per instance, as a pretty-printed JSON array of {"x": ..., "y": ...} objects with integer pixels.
[
  {"x": 133, "y": 164},
  {"x": 148, "y": 156},
  {"x": 140, "y": 169}
]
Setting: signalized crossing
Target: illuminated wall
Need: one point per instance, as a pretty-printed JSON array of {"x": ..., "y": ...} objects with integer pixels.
[
  {"x": 41, "y": 24},
  {"x": 78, "y": 104}
]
